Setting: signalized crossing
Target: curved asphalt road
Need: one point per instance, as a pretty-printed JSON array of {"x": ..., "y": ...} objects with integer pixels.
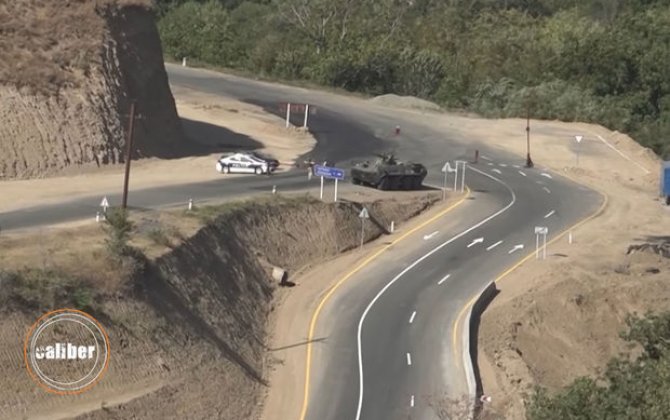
[{"x": 425, "y": 281}]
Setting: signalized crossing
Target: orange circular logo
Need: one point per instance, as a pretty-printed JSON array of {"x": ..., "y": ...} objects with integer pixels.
[{"x": 66, "y": 351}]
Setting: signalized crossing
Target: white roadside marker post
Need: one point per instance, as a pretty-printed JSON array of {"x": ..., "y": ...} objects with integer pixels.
[
  {"x": 304, "y": 125},
  {"x": 363, "y": 215},
  {"x": 190, "y": 204},
  {"x": 335, "y": 200},
  {"x": 288, "y": 114},
  {"x": 97, "y": 217},
  {"x": 541, "y": 230}
]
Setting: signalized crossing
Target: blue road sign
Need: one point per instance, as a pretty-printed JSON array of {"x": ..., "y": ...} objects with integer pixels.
[
  {"x": 329, "y": 172},
  {"x": 665, "y": 179}
]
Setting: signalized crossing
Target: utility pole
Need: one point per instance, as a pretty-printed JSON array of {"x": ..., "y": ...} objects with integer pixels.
[
  {"x": 529, "y": 161},
  {"x": 129, "y": 148}
]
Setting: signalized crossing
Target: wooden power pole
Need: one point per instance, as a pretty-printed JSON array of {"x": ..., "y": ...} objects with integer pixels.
[{"x": 129, "y": 149}]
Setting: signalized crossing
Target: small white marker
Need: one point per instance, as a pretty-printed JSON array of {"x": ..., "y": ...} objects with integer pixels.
[
  {"x": 517, "y": 166},
  {"x": 411, "y": 318},
  {"x": 426, "y": 237},
  {"x": 411, "y": 401},
  {"x": 494, "y": 245},
  {"x": 549, "y": 214},
  {"x": 522, "y": 173},
  {"x": 544, "y": 174},
  {"x": 409, "y": 359},
  {"x": 444, "y": 279},
  {"x": 504, "y": 165},
  {"x": 547, "y": 190},
  {"x": 490, "y": 164},
  {"x": 486, "y": 158},
  {"x": 496, "y": 171}
]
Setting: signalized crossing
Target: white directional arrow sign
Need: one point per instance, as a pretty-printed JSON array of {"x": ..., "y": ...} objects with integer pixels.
[
  {"x": 364, "y": 214},
  {"x": 579, "y": 139},
  {"x": 516, "y": 248},
  {"x": 476, "y": 241},
  {"x": 426, "y": 237},
  {"x": 104, "y": 204},
  {"x": 447, "y": 168}
]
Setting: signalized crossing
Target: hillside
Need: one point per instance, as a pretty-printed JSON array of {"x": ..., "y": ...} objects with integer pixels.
[
  {"x": 68, "y": 72},
  {"x": 188, "y": 334}
]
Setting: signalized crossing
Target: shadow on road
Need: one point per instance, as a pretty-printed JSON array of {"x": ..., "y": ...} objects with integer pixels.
[{"x": 302, "y": 343}]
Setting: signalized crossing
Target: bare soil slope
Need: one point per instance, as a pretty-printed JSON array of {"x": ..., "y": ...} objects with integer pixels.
[
  {"x": 188, "y": 334},
  {"x": 68, "y": 72}
]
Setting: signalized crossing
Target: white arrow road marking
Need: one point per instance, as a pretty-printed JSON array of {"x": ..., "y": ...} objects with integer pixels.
[
  {"x": 494, "y": 245},
  {"x": 516, "y": 248},
  {"x": 522, "y": 173},
  {"x": 549, "y": 214},
  {"x": 546, "y": 175},
  {"x": 496, "y": 171},
  {"x": 504, "y": 165},
  {"x": 444, "y": 279},
  {"x": 547, "y": 190},
  {"x": 411, "y": 318},
  {"x": 486, "y": 158},
  {"x": 409, "y": 359},
  {"x": 411, "y": 401},
  {"x": 476, "y": 241},
  {"x": 426, "y": 237}
]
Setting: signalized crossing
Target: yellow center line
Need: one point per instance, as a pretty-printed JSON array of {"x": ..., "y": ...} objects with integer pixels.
[
  {"x": 317, "y": 311},
  {"x": 457, "y": 322}
]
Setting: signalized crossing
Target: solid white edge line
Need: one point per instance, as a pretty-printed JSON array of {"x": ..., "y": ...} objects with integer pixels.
[
  {"x": 494, "y": 245},
  {"x": 444, "y": 279},
  {"x": 414, "y": 264},
  {"x": 646, "y": 171},
  {"x": 411, "y": 318}
]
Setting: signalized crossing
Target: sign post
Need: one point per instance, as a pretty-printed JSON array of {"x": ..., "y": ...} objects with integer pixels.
[
  {"x": 579, "y": 141},
  {"x": 462, "y": 164},
  {"x": 104, "y": 204},
  {"x": 446, "y": 169},
  {"x": 288, "y": 114},
  {"x": 304, "y": 125},
  {"x": 541, "y": 230},
  {"x": 363, "y": 215},
  {"x": 330, "y": 173}
]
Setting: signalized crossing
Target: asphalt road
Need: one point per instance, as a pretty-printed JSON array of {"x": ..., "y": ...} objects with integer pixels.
[{"x": 373, "y": 362}]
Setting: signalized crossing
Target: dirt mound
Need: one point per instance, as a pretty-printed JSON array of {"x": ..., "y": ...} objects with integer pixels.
[
  {"x": 188, "y": 336},
  {"x": 408, "y": 102},
  {"x": 69, "y": 72}
]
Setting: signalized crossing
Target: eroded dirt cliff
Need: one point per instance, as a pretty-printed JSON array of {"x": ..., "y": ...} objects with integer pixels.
[
  {"x": 188, "y": 334},
  {"x": 69, "y": 71}
]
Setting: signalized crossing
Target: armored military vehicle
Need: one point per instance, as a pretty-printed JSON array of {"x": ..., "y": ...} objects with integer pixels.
[{"x": 388, "y": 173}]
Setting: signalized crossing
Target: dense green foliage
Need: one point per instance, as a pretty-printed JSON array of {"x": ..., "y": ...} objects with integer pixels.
[
  {"x": 600, "y": 61},
  {"x": 629, "y": 389}
]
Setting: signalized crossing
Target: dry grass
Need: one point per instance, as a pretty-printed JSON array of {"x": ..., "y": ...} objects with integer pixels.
[{"x": 48, "y": 45}]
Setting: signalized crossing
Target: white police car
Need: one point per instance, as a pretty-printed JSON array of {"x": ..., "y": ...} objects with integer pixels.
[{"x": 245, "y": 163}]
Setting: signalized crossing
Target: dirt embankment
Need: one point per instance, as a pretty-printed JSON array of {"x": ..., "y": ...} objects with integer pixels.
[
  {"x": 188, "y": 335},
  {"x": 69, "y": 71}
]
